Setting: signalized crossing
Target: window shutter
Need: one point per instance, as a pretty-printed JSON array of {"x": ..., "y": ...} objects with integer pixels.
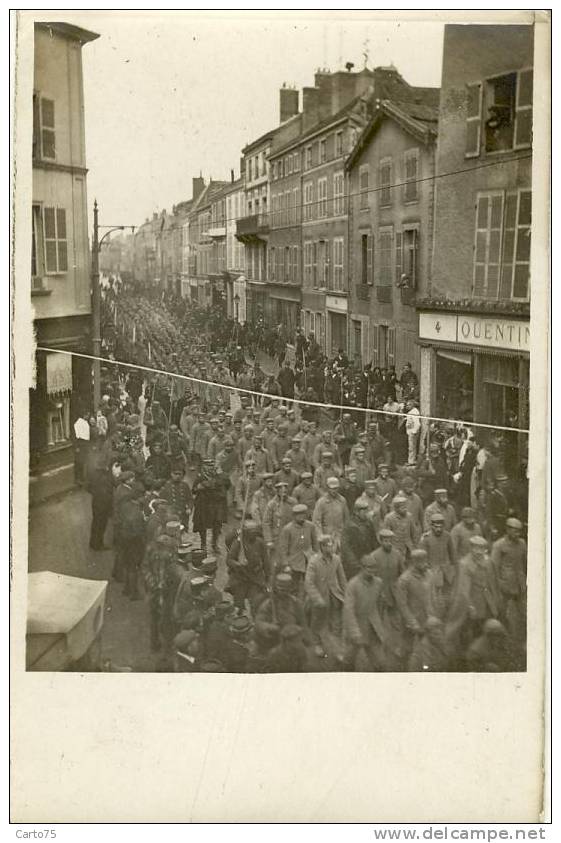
[
  {"x": 415, "y": 260},
  {"x": 374, "y": 345},
  {"x": 473, "y": 120},
  {"x": 49, "y": 225},
  {"x": 369, "y": 261},
  {"x": 391, "y": 346},
  {"x": 48, "y": 128},
  {"x": 62, "y": 250},
  {"x": 524, "y": 99},
  {"x": 295, "y": 263},
  {"x": 398, "y": 266}
]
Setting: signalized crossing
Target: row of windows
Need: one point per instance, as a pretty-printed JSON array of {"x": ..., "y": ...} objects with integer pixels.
[
  {"x": 386, "y": 178},
  {"x": 324, "y": 262},
  {"x": 394, "y": 257},
  {"x": 284, "y": 264},
  {"x": 319, "y": 152},
  {"x": 320, "y": 202}
]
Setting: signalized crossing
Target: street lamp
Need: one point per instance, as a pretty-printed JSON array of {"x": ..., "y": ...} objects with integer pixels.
[{"x": 96, "y": 299}]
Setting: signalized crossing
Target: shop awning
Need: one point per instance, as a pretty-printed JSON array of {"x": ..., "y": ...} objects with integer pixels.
[
  {"x": 59, "y": 373},
  {"x": 457, "y": 356}
]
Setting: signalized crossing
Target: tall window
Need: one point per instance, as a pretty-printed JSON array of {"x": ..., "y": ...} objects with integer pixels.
[
  {"x": 324, "y": 260},
  {"x": 56, "y": 247},
  {"x": 43, "y": 127},
  {"x": 296, "y": 205},
  {"x": 410, "y": 250},
  {"x": 363, "y": 178},
  {"x": 314, "y": 264},
  {"x": 366, "y": 255},
  {"x": 338, "y": 193},
  {"x": 410, "y": 188},
  {"x": 287, "y": 205},
  {"x": 272, "y": 267},
  {"x": 499, "y": 113},
  {"x": 385, "y": 182},
  {"x": 287, "y": 264},
  {"x": 385, "y": 257},
  {"x": 295, "y": 273},
  {"x": 296, "y": 161},
  {"x": 339, "y": 144},
  {"x": 322, "y": 197},
  {"x": 338, "y": 262},
  {"x": 308, "y": 257},
  {"x": 322, "y": 151},
  {"x": 502, "y": 245},
  {"x": 308, "y": 201},
  {"x": 308, "y": 157}
]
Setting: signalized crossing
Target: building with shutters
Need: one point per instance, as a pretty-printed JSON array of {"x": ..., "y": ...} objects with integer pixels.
[
  {"x": 474, "y": 313},
  {"x": 60, "y": 259},
  {"x": 391, "y": 215}
]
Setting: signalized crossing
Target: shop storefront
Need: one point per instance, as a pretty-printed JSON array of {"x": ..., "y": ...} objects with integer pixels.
[
  {"x": 475, "y": 367},
  {"x": 336, "y": 307}
]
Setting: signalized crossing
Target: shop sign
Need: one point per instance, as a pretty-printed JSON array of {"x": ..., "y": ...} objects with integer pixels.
[
  {"x": 336, "y": 303},
  {"x": 472, "y": 329}
]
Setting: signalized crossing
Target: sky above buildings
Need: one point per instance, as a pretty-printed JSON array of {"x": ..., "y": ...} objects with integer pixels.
[{"x": 170, "y": 95}]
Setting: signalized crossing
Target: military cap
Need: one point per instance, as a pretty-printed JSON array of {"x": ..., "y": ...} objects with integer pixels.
[
  {"x": 299, "y": 508},
  {"x": 249, "y": 461},
  {"x": 437, "y": 517},
  {"x": 283, "y": 408},
  {"x": 369, "y": 482},
  {"x": 280, "y": 483},
  {"x": 361, "y": 504},
  {"x": 266, "y": 475},
  {"x": 441, "y": 491},
  {"x": 173, "y": 427},
  {"x": 360, "y": 450},
  {"x": 418, "y": 553},
  {"x": 468, "y": 512},
  {"x": 184, "y": 551},
  {"x": 228, "y": 416},
  {"x": 248, "y": 427},
  {"x": 346, "y": 415},
  {"x": 197, "y": 583},
  {"x": 386, "y": 533},
  {"x": 400, "y": 499},
  {"x": 228, "y": 441},
  {"x": 514, "y": 522},
  {"x": 173, "y": 526},
  {"x": 333, "y": 482},
  {"x": 324, "y": 537},
  {"x": 296, "y": 439},
  {"x": 478, "y": 541},
  {"x": 502, "y": 477},
  {"x": 208, "y": 462},
  {"x": 197, "y": 558},
  {"x": 305, "y": 475},
  {"x": 383, "y": 465},
  {"x": 258, "y": 437},
  {"x": 433, "y": 623}
]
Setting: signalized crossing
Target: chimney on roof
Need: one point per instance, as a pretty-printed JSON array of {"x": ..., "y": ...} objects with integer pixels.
[
  {"x": 155, "y": 215},
  {"x": 288, "y": 103},
  {"x": 198, "y": 186},
  {"x": 310, "y": 107},
  {"x": 232, "y": 179}
]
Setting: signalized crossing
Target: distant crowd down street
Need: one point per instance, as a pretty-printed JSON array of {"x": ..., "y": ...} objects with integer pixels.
[{"x": 268, "y": 534}]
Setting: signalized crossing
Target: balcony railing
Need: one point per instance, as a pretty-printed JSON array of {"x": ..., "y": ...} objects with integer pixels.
[{"x": 253, "y": 225}]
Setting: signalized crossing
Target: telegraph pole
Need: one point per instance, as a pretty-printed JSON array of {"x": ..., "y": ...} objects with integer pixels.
[{"x": 96, "y": 312}]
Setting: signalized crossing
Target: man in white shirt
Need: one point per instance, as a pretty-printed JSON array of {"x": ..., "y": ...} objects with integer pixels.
[
  {"x": 412, "y": 428},
  {"x": 81, "y": 446}
]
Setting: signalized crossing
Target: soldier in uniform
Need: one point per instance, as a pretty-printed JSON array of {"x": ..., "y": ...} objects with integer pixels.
[
  {"x": 287, "y": 474},
  {"x": 413, "y": 596},
  {"x": 325, "y": 584},
  {"x": 178, "y": 493},
  {"x": 363, "y": 470},
  {"x": 389, "y": 565},
  {"x": 509, "y": 558},
  {"x": 463, "y": 531},
  {"x": 209, "y": 492},
  {"x": 364, "y": 632},
  {"x": 400, "y": 522},
  {"x": 279, "y": 609},
  {"x": 442, "y": 506},
  {"x": 157, "y": 569},
  {"x": 358, "y": 538},
  {"x": 430, "y": 654},
  {"x": 331, "y": 513},
  {"x": 476, "y": 596},
  {"x": 376, "y": 507},
  {"x": 290, "y": 655},
  {"x": 325, "y": 470},
  {"x": 277, "y": 513},
  {"x": 248, "y": 567},
  {"x": 261, "y": 457},
  {"x": 385, "y": 486},
  {"x": 262, "y": 497},
  {"x": 298, "y": 458},
  {"x": 305, "y": 492},
  {"x": 297, "y": 542},
  {"x": 350, "y": 488},
  {"x": 442, "y": 563}
]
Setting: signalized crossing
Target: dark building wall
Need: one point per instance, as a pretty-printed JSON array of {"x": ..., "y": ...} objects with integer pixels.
[{"x": 471, "y": 54}]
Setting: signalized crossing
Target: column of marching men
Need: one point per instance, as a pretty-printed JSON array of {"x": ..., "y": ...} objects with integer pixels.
[{"x": 271, "y": 536}]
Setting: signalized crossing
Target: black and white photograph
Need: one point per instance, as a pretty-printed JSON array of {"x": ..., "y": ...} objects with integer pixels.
[{"x": 280, "y": 414}]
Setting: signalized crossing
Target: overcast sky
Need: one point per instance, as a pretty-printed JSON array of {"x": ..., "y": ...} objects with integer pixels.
[{"x": 172, "y": 94}]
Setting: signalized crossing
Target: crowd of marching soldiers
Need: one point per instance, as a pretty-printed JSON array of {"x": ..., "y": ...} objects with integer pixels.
[{"x": 269, "y": 539}]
